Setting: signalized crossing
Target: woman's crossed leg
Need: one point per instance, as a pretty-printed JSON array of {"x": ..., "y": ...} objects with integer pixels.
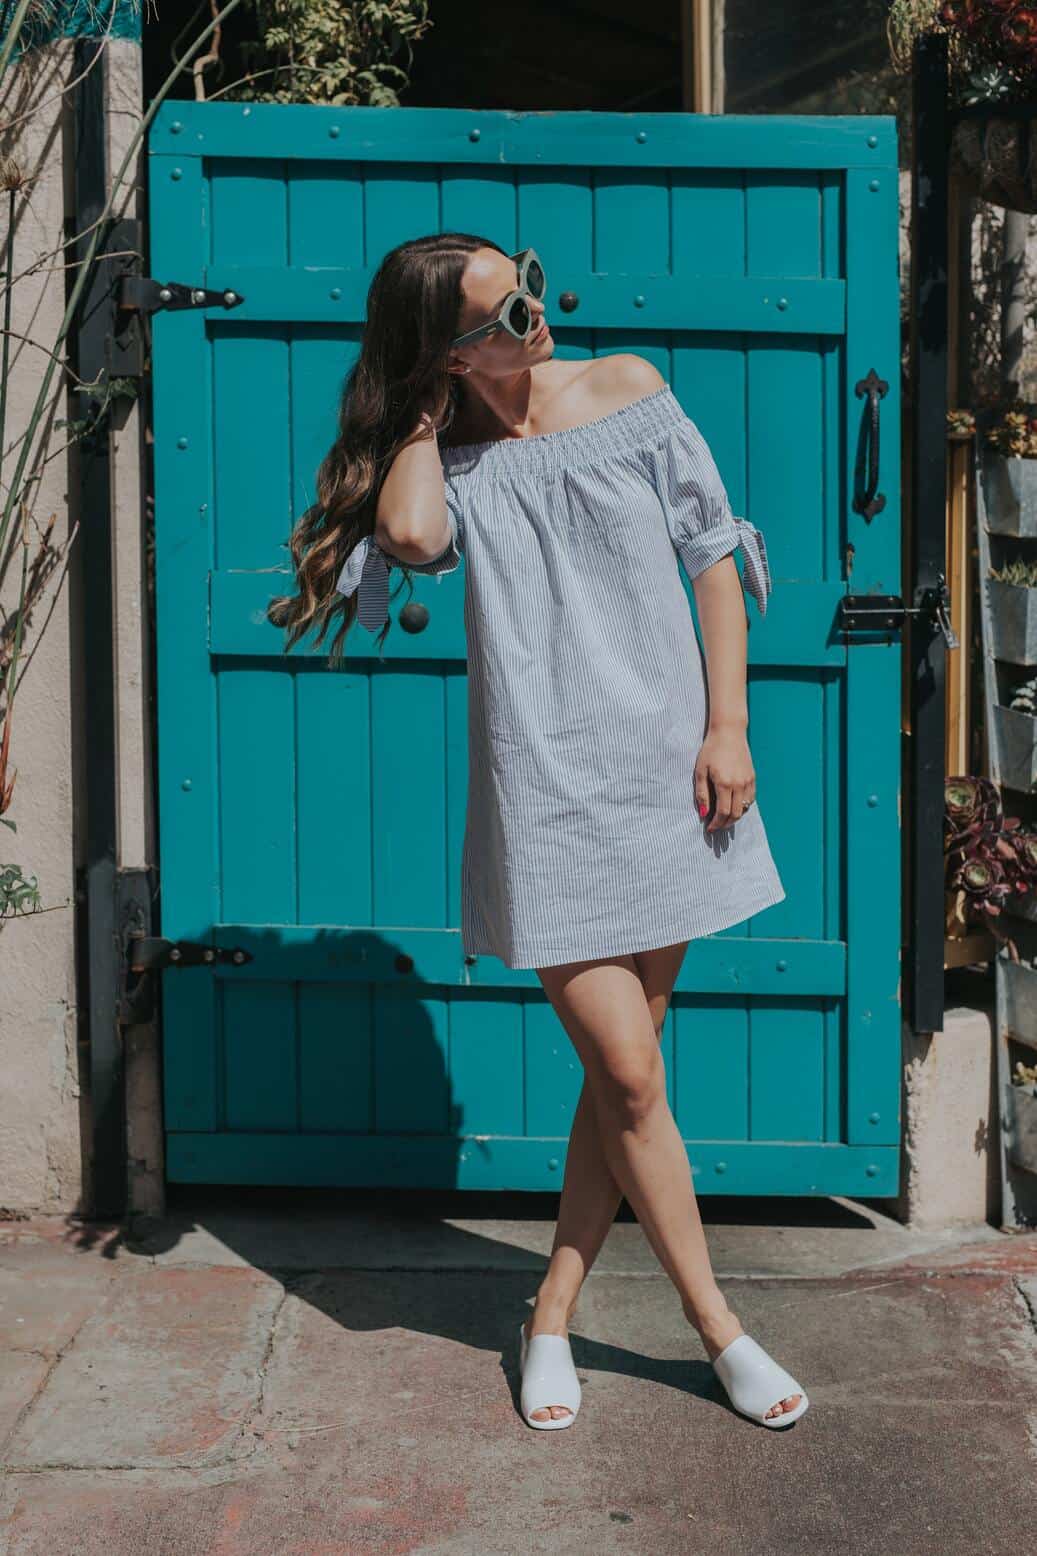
[{"x": 625, "y": 1141}]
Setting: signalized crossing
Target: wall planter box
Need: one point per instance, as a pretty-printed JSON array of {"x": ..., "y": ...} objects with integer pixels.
[
  {"x": 1019, "y": 997},
  {"x": 1022, "y": 1121},
  {"x": 1010, "y": 494},
  {"x": 995, "y": 157},
  {"x": 1017, "y": 742},
  {"x": 1013, "y": 622}
]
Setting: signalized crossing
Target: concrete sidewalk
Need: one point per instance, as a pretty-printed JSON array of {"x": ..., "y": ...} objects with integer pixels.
[{"x": 275, "y": 1374}]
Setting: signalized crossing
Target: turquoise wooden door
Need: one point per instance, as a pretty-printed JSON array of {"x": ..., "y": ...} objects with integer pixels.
[{"x": 316, "y": 818}]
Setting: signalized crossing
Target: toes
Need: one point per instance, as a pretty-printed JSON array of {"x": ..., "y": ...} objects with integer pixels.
[
  {"x": 785, "y": 1404},
  {"x": 543, "y": 1414},
  {"x": 560, "y": 1410}
]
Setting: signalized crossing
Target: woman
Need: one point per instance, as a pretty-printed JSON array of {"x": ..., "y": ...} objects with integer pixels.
[{"x": 570, "y": 487}]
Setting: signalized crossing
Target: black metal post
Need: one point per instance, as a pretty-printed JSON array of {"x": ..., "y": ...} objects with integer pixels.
[
  {"x": 89, "y": 348},
  {"x": 925, "y": 648}
]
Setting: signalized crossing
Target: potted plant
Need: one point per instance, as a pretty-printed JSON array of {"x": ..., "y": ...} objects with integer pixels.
[
  {"x": 992, "y": 73},
  {"x": 990, "y": 862},
  {"x": 1010, "y": 472},
  {"x": 1012, "y": 591}
]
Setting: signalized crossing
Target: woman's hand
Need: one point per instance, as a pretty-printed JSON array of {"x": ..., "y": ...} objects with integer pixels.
[{"x": 725, "y": 761}]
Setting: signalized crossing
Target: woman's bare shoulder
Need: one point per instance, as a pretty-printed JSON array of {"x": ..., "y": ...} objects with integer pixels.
[{"x": 621, "y": 378}]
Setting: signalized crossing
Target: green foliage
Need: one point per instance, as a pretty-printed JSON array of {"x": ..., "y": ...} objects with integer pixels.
[
  {"x": 1023, "y": 574},
  {"x": 17, "y": 895},
  {"x": 321, "y": 51}
]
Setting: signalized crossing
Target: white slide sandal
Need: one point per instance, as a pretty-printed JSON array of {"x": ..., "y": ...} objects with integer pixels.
[
  {"x": 548, "y": 1378},
  {"x": 755, "y": 1383}
]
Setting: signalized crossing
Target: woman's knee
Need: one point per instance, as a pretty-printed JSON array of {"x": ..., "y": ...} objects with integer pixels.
[{"x": 632, "y": 1082}]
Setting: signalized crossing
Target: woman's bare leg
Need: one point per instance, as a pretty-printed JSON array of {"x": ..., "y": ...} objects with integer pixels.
[
  {"x": 590, "y": 1196},
  {"x": 603, "y": 1006}
]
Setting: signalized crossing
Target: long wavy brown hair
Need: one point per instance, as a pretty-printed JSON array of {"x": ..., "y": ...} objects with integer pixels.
[{"x": 413, "y": 306}]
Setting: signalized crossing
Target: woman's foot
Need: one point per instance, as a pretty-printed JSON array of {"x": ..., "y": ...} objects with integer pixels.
[
  {"x": 548, "y": 1318},
  {"x": 717, "y": 1331}
]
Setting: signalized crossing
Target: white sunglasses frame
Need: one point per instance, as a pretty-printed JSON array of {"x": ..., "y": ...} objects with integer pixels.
[{"x": 524, "y": 258}]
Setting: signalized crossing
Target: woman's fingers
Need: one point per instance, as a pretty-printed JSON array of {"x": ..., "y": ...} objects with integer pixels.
[
  {"x": 725, "y": 811},
  {"x": 702, "y": 791}
]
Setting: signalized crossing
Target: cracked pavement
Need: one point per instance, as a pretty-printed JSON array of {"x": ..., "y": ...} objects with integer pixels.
[{"x": 335, "y": 1373}]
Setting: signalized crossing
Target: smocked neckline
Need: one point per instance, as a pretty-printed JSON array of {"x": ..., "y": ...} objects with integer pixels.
[{"x": 541, "y": 449}]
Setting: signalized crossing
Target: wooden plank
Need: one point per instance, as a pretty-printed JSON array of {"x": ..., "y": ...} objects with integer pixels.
[
  {"x": 714, "y": 964},
  {"x": 872, "y": 751},
  {"x": 799, "y": 631},
  {"x": 184, "y": 556},
  {"x": 961, "y": 527},
  {"x": 454, "y": 1161},
  {"x": 772, "y": 303},
  {"x": 579, "y": 138}
]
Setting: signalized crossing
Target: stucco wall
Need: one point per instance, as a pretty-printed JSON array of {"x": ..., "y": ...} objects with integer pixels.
[{"x": 44, "y": 1105}]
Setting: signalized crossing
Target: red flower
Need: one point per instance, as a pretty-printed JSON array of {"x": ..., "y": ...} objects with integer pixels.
[
  {"x": 959, "y": 13},
  {"x": 1020, "y": 30}
]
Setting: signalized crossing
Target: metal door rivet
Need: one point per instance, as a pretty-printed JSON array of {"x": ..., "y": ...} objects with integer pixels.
[
  {"x": 474, "y": 134},
  {"x": 552, "y": 1165},
  {"x": 781, "y": 964},
  {"x": 873, "y": 1118},
  {"x": 230, "y": 298},
  {"x": 335, "y": 293},
  {"x": 177, "y": 173},
  {"x": 197, "y": 296},
  {"x": 721, "y": 1167},
  {"x": 175, "y": 127},
  {"x": 165, "y": 294},
  {"x": 181, "y": 442},
  {"x": 871, "y": 1170},
  {"x": 334, "y": 132},
  {"x": 783, "y": 303},
  {"x": 873, "y": 140},
  {"x": 873, "y": 800},
  {"x": 639, "y": 302},
  {"x": 873, "y": 184},
  {"x": 642, "y": 136},
  {"x": 470, "y": 960},
  {"x": 238, "y": 957},
  {"x": 186, "y": 784},
  {"x": 245, "y": 112}
]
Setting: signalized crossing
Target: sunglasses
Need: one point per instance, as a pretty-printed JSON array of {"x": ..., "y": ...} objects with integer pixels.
[{"x": 515, "y": 314}]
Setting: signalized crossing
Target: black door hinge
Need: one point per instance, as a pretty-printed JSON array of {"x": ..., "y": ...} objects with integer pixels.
[
  {"x": 147, "y": 955},
  {"x": 142, "y": 294}
]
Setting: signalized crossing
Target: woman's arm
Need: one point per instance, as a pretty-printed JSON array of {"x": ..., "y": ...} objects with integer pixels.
[
  {"x": 724, "y": 757},
  {"x": 411, "y": 520}
]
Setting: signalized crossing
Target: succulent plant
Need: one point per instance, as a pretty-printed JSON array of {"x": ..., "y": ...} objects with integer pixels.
[
  {"x": 1015, "y": 432},
  {"x": 1024, "y": 698},
  {"x": 1025, "y": 1075},
  {"x": 986, "y": 84},
  {"x": 989, "y": 859},
  {"x": 1023, "y": 574}
]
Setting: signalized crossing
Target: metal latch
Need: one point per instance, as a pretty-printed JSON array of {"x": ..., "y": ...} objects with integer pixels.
[
  {"x": 149, "y": 954},
  {"x": 144, "y": 295},
  {"x": 887, "y": 612}
]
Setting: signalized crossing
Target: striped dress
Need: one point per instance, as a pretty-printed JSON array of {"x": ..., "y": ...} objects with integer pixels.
[{"x": 587, "y": 691}]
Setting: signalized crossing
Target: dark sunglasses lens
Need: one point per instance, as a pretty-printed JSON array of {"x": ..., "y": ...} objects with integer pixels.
[
  {"x": 518, "y": 316},
  {"x": 536, "y": 280}
]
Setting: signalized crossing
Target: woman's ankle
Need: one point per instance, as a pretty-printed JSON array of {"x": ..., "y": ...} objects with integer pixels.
[
  {"x": 717, "y": 1326},
  {"x": 551, "y": 1306}
]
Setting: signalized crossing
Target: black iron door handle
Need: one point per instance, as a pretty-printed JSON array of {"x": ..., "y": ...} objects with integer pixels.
[{"x": 870, "y": 501}]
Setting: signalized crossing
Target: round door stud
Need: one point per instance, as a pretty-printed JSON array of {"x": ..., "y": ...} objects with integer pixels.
[{"x": 414, "y": 617}]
